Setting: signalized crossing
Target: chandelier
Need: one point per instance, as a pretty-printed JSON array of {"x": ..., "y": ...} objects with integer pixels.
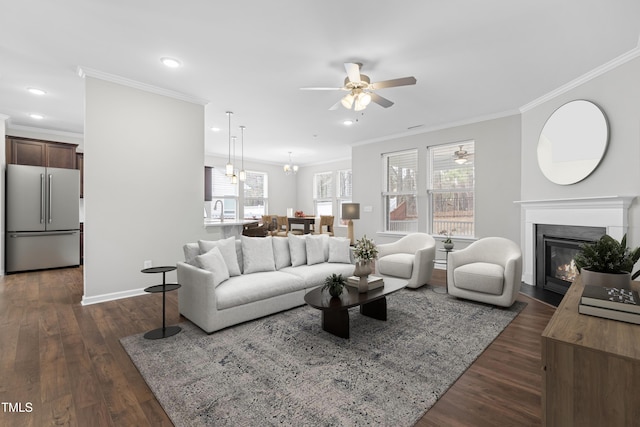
[{"x": 290, "y": 168}]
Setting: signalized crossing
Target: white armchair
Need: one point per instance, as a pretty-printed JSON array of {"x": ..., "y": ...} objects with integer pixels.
[
  {"x": 410, "y": 258},
  {"x": 488, "y": 270}
]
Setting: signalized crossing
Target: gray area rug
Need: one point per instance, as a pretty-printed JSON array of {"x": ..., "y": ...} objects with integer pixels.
[{"x": 285, "y": 370}]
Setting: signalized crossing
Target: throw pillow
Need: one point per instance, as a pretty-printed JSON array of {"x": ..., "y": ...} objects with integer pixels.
[
  {"x": 339, "y": 250},
  {"x": 281, "y": 254},
  {"x": 191, "y": 251},
  {"x": 315, "y": 249},
  {"x": 298, "y": 250},
  {"x": 214, "y": 262},
  {"x": 257, "y": 254},
  {"x": 227, "y": 249}
]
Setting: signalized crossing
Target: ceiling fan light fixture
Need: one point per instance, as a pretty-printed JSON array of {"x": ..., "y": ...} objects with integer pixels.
[
  {"x": 364, "y": 98},
  {"x": 347, "y": 101},
  {"x": 460, "y": 156}
]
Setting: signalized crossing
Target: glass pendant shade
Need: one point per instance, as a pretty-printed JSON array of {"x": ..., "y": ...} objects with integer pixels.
[
  {"x": 229, "y": 169},
  {"x": 242, "y": 175},
  {"x": 347, "y": 101}
]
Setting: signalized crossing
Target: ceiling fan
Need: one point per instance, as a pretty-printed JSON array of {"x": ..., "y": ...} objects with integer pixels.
[{"x": 361, "y": 89}]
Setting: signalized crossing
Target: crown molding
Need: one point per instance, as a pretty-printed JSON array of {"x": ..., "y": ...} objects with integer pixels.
[
  {"x": 4, "y": 117},
  {"x": 614, "y": 63},
  {"x": 45, "y": 131},
  {"x": 421, "y": 130},
  {"x": 84, "y": 72}
]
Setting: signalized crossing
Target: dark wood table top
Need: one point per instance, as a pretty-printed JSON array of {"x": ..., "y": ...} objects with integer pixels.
[{"x": 350, "y": 297}]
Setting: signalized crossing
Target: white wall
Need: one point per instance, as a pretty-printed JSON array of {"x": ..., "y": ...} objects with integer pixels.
[
  {"x": 617, "y": 92},
  {"x": 144, "y": 185},
  {"x": 497, "y": 171}
]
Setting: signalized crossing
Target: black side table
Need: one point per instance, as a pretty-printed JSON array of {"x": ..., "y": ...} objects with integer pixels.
[{"x": 165, "y": 287}]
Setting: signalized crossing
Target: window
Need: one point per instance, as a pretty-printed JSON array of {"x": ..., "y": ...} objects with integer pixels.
[
  {"x": 452, "y": 189},
  {"x": 221, "y": 190},
  {"x": 255, "y": 194},
  {"x": 400, "y": 195},
  {"x": 323, "y": 193},
  {"x": 344, "y": 191}
]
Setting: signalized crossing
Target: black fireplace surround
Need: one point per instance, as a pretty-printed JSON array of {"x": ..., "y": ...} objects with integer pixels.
[{"x": 556, "y": 246}]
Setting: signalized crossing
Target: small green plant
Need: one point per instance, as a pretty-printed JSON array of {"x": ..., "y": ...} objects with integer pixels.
[
  {"x": 447, "y": 235},
  {"x": 334, "y": 283},
  {"x": 607, "y": 255},
  {"x": 365, "y": 249}
]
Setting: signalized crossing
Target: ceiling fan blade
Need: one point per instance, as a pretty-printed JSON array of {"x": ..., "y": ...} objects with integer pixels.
[
  {"x": 321, "y": 88},
  {"x": 353, "y": 72},
  {"x": 383, "y": 102},
  {"x": 335, "y": 106},
  {"x": 403, "y": 81}
]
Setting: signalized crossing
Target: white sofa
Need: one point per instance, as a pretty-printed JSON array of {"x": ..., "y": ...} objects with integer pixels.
[
  {"x": 410, "y": 257},
  {"x": 489, "y": 270},
  {"x": 230, "y": 281}
]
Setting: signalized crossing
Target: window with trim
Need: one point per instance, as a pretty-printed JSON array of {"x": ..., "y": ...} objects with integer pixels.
[
  {"x": 255, "y": 189},
  {"x": 451, "y": 189},
  {"x": 344, "y": 192},
  {"x": 220, "y": 189},
  {"x": 323, "y": 193},
  {"x": 400, "y": 194}
]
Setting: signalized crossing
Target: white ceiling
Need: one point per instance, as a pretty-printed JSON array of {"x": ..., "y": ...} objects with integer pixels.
[{"x": 471, "y": 59}]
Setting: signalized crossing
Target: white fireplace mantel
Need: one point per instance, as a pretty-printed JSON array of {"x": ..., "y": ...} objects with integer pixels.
[{"x": 610, "y": 212}]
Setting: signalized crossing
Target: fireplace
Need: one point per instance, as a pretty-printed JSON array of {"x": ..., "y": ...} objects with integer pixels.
[{"x": 556, "y": 246}]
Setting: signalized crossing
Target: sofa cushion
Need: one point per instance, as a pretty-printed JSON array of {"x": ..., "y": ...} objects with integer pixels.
[
  {"x": 191, "y": 251},
  {"x": 281, "y": 254},
  {"x": 249, "y": 288},
  {"x": 315, "y": 249},
  {"x": 314, "y": 275},
  {"x": 257, "y": 254},
  {"x": 397, "y": 265},
  {"x": 227, "y": 249},
  {"x": 297, "y": 249},
  {"x": 480, "y": 277},
  {"x": 339, "y": 250},
  {"x": 214, "y": 262}
]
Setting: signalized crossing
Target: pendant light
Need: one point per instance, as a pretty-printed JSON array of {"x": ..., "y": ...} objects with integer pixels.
[
  {"x": 242, "y": 175},
  {"x": 234, "y": 175},
  {"x": 229, "y": 168}
]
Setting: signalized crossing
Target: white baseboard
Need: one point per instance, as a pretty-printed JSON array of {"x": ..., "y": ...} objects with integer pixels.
[{"x": 112, "y": 296}]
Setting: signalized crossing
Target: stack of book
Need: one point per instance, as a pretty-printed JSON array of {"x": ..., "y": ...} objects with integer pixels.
[
  {"x": 610, "y": 303},
  {"x": 375, "y": 282}
]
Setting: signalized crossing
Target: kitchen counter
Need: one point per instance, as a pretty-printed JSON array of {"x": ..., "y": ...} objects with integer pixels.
[{"x": 229, "y": 228}]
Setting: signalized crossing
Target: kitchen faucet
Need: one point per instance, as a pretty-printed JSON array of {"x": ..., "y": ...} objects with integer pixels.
[{"x": 221, "y": 209}]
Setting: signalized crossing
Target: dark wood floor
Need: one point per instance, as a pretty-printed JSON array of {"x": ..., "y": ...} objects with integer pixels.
[{"x": 66, "y": 360}]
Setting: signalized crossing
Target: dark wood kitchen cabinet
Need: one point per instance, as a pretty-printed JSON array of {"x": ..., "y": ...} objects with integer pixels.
[
  {"x": 80, "y": 167},
  {"x": 36, "y": 152}
]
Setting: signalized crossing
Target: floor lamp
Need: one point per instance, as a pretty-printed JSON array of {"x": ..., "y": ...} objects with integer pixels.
[{"x": 350, "y": 211}]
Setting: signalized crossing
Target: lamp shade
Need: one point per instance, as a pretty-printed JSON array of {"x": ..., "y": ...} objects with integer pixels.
[{"x": 351, "y": 211}]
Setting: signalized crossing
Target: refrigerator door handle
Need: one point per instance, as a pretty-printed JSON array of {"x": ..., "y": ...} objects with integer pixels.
[
  {"x": 42, "y": 233},
  {"x": 42, "y": 200},
  {"x": 50, "y": 193}
]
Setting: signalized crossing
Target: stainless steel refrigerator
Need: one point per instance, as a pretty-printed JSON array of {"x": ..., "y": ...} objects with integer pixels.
[{"x": 42, "y": 214}]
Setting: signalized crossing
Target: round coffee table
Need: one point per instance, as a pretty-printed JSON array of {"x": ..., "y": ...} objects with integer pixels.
[{"x": 335, "y": 310}]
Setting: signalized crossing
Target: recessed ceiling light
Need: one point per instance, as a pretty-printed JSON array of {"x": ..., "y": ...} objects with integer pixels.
[
  {"x": 347, "y": 122},
  {"x": 215, "y": 129},
  {"x": 36, "y": 116},
  {"x": 36, "y": 91},
  {"x": 170, "y": 62}
]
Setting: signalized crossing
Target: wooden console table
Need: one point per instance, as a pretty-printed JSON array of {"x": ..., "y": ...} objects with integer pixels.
[{"x": 591, "y": 368}]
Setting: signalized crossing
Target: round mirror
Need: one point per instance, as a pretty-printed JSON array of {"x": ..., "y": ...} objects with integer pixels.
[{"x": 572, "y": 142}]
